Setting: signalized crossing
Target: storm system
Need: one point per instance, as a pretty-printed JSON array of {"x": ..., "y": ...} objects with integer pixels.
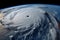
[{"x": 30, "y": 22}]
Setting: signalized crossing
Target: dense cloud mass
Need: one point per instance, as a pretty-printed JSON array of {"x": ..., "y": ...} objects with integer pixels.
[{"x": 31, "y": 22}]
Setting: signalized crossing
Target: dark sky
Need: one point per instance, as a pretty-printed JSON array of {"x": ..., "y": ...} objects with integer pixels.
[{"x": 8, "y": 3}]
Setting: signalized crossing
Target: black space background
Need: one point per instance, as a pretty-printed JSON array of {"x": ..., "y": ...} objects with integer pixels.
[{"x": 9, "y": 3}]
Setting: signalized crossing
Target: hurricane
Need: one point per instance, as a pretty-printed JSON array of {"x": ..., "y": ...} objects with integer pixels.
[{"x": 31, "y": 22}]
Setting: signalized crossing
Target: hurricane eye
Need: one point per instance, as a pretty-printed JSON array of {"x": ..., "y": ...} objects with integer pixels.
[{"x": 27, "y": 16}]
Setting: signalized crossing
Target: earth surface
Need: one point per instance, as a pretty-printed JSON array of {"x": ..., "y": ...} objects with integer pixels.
[{"x": 28, "y": 22}]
